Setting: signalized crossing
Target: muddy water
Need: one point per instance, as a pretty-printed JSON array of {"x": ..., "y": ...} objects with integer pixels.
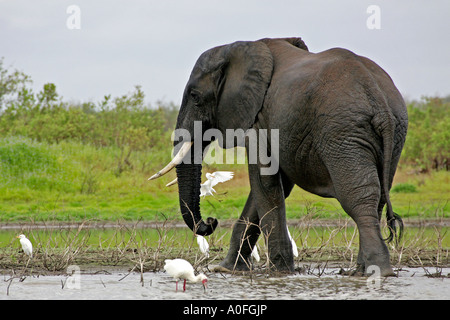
[{"x": 410, "y": 284}]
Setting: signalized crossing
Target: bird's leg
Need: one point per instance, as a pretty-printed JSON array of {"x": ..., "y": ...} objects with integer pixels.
[
  {"x": 184, "y": 285},
  {"x": 176, "y": 286}
]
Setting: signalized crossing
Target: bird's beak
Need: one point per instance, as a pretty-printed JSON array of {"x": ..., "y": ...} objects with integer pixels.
[{"x": 17, "y": 237}]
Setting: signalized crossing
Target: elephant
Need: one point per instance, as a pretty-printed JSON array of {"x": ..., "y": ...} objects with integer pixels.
[{"x": 341, "y": 125}]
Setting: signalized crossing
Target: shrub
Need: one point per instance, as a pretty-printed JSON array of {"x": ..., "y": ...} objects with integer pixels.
[
  {"x": 18, "y": 157},
  {"x": 124, "y": 122},
  {"x": 428, "y": 140},
  {"x": 404, "y": 188}
]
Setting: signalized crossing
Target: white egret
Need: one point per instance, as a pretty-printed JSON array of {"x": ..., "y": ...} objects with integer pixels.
[
  {"x": 255, "y": 254},
  {"x": 206, "y": 188},
  {"x": 181, "y": 269},
  {"x": 213, "y": 179},
  {"x": 294, "y": 245},
  {"x": 26, "y": 245},
  {"x": 203, "y": 245}
]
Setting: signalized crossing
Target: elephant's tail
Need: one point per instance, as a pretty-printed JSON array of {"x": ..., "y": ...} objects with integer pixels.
[{"x": 385, "y": 125}]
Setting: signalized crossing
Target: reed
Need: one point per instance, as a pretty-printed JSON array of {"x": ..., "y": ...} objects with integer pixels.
[{"x": 135, "y": 247}]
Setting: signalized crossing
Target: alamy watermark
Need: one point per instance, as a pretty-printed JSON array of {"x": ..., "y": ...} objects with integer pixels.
[
  {"x": 373, "y": 22},
  {"x": 73, "y": 21},
  {"x": 263, "y": 146},
  {"x": 374, "y": 280},
  {"x": 73, "y": 281}
]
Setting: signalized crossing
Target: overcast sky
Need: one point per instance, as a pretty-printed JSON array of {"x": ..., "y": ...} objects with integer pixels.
[{"x": 155, "y": 44}]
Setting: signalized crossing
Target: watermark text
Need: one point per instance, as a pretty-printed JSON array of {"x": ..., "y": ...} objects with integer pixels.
[
  {"x": 73, "y": 21},
  {"x": 262, "y": 146},
  {"x": 373, "y": 22}
]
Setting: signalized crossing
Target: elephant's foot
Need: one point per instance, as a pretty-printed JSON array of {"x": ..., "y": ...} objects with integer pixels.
[
  {"x": 282, "y": 264},
  {"x": 357, "y": 272},
  {"x": 221, "y": 269},
  {"x": 362, "y": 271},
  {"x": 218, "y": 268},
  {"x": 373, "y": 255},
  {"x": 375, "y": 270},
  {"x": 377, "y": 265},
  {"x": 242, "y": 269},
  {"x": 232, "y": 266}
]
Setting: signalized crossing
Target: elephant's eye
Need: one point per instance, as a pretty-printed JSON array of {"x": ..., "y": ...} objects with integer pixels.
[{"x": 195, "y": 95}]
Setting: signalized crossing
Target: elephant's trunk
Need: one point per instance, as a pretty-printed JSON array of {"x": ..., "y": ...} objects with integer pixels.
[{"x": 189, "y": 179}]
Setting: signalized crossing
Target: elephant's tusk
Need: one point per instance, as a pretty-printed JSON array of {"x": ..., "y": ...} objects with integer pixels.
[
  {"x": 175, "y": 161},
  {"x": 175, "y": 181}
]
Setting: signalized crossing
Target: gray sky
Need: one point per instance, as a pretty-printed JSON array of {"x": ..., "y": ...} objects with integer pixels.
[{"x": 155, "y": 44}]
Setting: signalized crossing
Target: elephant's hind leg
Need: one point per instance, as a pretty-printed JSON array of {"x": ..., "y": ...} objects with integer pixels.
[{"x": 358, "y": 190}]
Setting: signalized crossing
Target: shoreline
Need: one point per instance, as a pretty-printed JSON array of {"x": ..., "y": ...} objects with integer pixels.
[{"x": 142, "y": 224}]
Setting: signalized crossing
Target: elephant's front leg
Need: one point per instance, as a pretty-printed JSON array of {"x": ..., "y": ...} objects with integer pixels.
[
  {"x": 245, "y": 234},
  {"x": 269, "y": 198}
]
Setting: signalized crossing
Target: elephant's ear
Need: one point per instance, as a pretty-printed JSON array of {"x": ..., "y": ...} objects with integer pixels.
[
  {"x": 297, "y": 42},
  {"x": 241, "y": 90}
]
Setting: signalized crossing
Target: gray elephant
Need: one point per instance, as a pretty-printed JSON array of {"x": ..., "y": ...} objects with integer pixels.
[{"x": 341, "y": 125}]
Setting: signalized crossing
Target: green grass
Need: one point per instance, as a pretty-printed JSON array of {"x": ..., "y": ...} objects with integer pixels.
[
  {"x": 431, "y": 198},
  {"x": 38, "y": 180},
  {"x": 404, "y": 188},
  {"x": 74, "y": 181}
]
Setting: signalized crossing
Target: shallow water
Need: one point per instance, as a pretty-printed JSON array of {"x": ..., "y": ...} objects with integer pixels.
[{"x": 411, "y": 283}]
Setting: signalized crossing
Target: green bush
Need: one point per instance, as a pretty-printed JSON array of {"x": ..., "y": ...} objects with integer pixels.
[
  {"x": 427, "y": 143},
  {"x": 404, "y": 188},
  {"x": 124, "y": 123},
  {"x": 18, "y": 157}
]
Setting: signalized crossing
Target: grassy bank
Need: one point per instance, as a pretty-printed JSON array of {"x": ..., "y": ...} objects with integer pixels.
[
  {"x": 133, "y": 246},
  {"x": 76, "y": 181}
]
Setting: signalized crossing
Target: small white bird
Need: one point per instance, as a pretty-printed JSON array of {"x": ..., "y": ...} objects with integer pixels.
[
  {"x": 206, "y": 188},
  {"x": 181, "y": 269},
  {"x": 294, "y": 245},
  {"x": 203, "y": 245},
  {"x": 255, "y": 254},
  {"x": 26, "y": 245}
]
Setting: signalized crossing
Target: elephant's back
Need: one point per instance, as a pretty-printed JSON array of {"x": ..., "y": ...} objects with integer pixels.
[
  {"x": 322, "y": 104},
  {"x": 334, "y": 89}
]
